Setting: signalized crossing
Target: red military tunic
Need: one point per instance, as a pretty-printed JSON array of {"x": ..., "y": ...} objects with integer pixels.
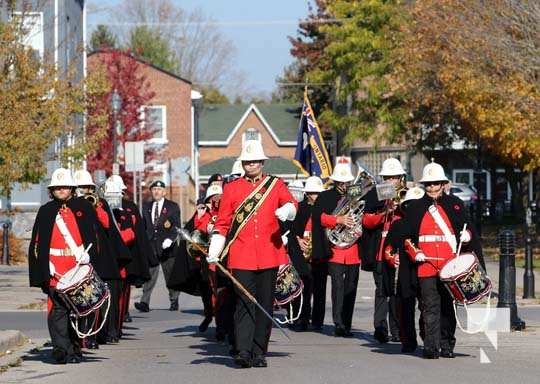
[
  {"x": 373, "y": 220},
  {"x": 347, "y": 256},
  {"x": 259, "y": 244},
  {"x": 433, "y": 243},
  {"x": 63, "y": 263},
  {"x": 209, "y": 217}
]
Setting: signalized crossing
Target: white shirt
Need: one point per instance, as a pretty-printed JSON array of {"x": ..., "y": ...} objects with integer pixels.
[{"x": 157, "y": 205}]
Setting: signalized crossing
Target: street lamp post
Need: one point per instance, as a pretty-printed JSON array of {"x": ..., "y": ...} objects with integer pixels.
[{"x": 116, "y": 104}]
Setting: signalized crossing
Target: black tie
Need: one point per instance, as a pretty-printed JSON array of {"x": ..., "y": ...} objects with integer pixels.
[{"x": 156, "y": 213}]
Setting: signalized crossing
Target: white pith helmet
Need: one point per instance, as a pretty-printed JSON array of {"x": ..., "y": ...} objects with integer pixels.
[
  {"x": 83, "y": 177},
  {"x": 61, "y": 177},
  {"x": 392, "y": 167},
  {"x": 212, "y": 191},
  {"x": 433, "y": 172},
  {"x": 314, "y": 184},
  {"x": 342, "y": 171},
  {"x": 252, "y": 150}
]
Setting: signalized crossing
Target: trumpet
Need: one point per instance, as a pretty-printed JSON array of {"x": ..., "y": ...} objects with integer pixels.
[{"x": 92, "y": 197}]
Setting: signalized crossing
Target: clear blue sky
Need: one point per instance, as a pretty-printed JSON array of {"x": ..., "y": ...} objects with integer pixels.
[{"x": 262, "y": 50}]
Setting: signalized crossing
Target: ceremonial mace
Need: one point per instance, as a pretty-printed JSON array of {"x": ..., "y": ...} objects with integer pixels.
[{"x": 184, "y": 234}]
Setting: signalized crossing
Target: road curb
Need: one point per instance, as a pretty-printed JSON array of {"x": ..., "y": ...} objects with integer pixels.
[{"x": 10, "y": 339}]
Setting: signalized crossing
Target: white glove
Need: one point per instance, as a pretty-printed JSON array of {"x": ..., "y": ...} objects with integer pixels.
[
  {"x": 285, "y": 238},
  {"x": 166, "y": 243},
  {"x": 420, "y": 257},
  {"x": 52, "y": 269},
  {"x": 286, "y": 212},
  {"x": 83, "y": 258},
  {"x": 216, "y": 246},
  {"x": 465, "y": 236}
]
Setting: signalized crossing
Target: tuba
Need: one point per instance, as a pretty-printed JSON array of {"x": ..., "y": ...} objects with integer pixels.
[{"x": 352, "y": 205}]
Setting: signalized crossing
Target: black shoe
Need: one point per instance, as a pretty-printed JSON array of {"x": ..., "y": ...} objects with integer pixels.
[
  {"x": 92, "y": 344},
  {"x": 339, "y": 331},
  {"x": 380, "y": 336},
  {"x": 205, "y": 323},
  {"x": 259, "y": 361},
  {"x": 243, "y": 359},
  {"x": 395, "y": 339},
  {"x": 74, "y": 359},
  {"x": 429, "y": 354},
  {"x": 142, "y": 307},
  {"x": 59, "y": 356},
  {"x": 174, "y": 306},
  {"x": 408, "y": 348},
  {"x": 112, "y": 340},
  {"x": 220, "y": 336},
  {"x": 347, "y": 333},
  {"x": 128, "y": 318},
  {"x": 447, "y": 354},
  {"x": 316, "y": 327},
  {"x": 233, "y": 352}
]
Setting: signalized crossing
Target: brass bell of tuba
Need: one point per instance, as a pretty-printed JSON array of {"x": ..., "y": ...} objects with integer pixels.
[{"x": 352, "y": 205}]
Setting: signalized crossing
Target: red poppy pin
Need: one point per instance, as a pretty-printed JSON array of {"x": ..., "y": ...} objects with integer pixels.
[
  {"x": 457, "y": 207},
  {"x": 263, "y": 190},
  {"x": 129, "y": 209},
  {"x": 78, "y": 213},
  {"x": 164, "y": 210},
  {"x": 122, "y": 217}
]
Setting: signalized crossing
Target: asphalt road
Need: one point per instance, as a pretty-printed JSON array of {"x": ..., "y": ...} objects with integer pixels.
[{"x": 165, "y": 347}]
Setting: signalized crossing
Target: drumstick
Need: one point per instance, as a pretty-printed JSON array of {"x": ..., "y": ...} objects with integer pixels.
[
  {"x": 461, "y": 242},
  {"x": 435, "y": 258}
]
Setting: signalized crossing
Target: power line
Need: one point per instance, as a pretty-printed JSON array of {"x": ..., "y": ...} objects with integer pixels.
[{"x": 216, "y": 23}]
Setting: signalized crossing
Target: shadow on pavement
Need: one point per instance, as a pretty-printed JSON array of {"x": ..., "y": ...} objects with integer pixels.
[{"x": 44, "y": 356}]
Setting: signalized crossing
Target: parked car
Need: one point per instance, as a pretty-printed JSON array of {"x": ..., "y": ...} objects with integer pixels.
[{"x": 464, "y": 192}]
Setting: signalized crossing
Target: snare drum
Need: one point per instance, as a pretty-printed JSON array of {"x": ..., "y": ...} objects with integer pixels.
[
  {"x": 82, "y": 290},
  {"x": 465, "y": 279},
  {"x": 288, "y": 285}
]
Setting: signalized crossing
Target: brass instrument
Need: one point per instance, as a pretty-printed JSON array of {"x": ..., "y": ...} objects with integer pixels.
[
  {"x": 92, "y": 197},
  {"x": 352, "y": 205},
  {"x": 199, "y": 241},
  {"x": 401, "y": 191},
  {"x": 308, "y": 252}
]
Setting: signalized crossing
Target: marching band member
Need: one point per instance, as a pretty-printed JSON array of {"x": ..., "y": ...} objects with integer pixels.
[
  {"x": 300, "y": 251},
  {"x": 161, "y": 218},
  {"x": 204, "y": 222},
  {"x": 111, "y": 251},
  {"x": 343, "y": 263},
  {"x": 377, "y": 220},
  {"x": 63, "y": 230},
  {"x": 406, "y": 287},
  {"x": 250, "y": 210},
  {"x": 434, "y": 226}
]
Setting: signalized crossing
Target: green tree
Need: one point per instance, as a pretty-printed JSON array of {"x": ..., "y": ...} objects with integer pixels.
[
  {"x": 102, "y": 37},
  {"x": 356, "y": 60},
  {"x": 40, "y": 107},
  {"x": 214, "y": 96},
  {"x": 149, "y": 45}
]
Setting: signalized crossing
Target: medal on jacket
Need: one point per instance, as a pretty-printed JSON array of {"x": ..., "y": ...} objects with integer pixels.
[{"x": 167, "y": 224}]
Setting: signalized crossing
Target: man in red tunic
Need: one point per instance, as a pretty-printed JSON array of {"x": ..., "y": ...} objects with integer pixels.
[
  {"x": 247, "y": 231},
  {"x": 343, "y": 262},
  {"x": 62, "y": 232},
  {"x": 434, "y": 227}
]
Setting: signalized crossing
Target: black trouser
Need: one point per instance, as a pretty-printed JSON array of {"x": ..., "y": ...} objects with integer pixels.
[
  {"x": 406, "y": 309},
  {"x": 206, "y": 297},
  {"x": 344, "y": 284},
  {"x": 63, "y": 336},
  {"x": 439, "y": 315},
  {"x": 319, "y": 274},
  {"x": 225, "y": 303},
  {"x": 305, "y": 299},
  {"x": 110, "y": 328},
  {"x": 385, "y": 307},
  {"x": 251, "y": 327}
]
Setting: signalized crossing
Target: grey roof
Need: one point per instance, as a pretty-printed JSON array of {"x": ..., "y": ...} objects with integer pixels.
[
  {"x": 273, "y": 166},
  {"x": 217, "y": 121}
]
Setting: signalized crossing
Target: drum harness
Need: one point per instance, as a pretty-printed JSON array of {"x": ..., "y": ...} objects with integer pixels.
[
  {"x": 76, "y": 250},
  {"x": 451, "y": 239}
]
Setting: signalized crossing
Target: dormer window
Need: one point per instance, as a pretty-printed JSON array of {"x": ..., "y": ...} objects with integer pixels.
[{"x": 251, "y": 134}]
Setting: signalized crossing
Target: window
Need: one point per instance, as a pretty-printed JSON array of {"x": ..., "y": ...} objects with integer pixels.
[
  {"x": 251, "y": 134},
  {"x": 156, "y": 118},
  {"x": 33, "y": 26}
]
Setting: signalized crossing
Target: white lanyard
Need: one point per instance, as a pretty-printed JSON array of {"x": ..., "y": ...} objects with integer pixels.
[{"x": 67, "y": 236}]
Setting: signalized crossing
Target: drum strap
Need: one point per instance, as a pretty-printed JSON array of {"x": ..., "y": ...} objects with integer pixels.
[
  {"x": 450, "y": 238},
  {"x": 67, "y": 236}
]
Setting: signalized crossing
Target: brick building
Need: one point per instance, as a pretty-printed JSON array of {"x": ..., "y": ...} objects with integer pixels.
[
  {"x": 223, "y": 129},
  {"x": 170, "y": 112}
]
